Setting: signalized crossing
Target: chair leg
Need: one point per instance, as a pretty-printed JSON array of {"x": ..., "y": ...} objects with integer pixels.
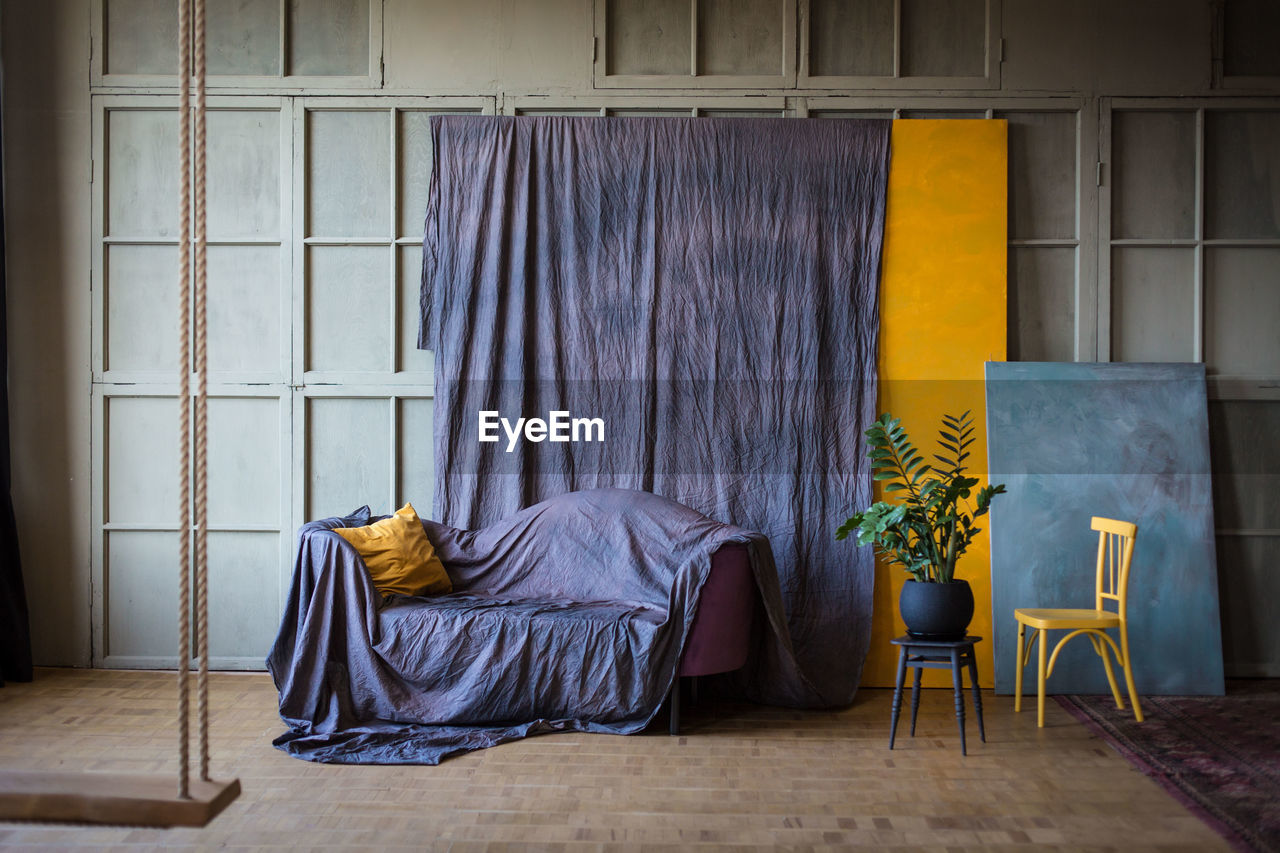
[
  {"x": 674, "y": 727},
  {"x": 1100, "y": 646},
  {"x": 1017, "y": 690},
  {"x": 915, "y": 697},
  {"x": 897, "y": 695},
  {"x": 1040, "y": 692},
  {"x": 1128, "y": 673}
]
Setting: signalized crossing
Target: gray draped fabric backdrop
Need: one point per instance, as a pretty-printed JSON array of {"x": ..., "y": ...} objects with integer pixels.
[{"x": 705, "y": 287}]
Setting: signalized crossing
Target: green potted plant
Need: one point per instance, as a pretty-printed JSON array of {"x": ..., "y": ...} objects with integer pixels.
[{"x": 929, "y": 526}]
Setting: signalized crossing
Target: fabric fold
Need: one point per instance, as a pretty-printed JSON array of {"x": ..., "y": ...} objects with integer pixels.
[
  {"x": 708, "y": 290},
  {"x": 569, "y": 615}
]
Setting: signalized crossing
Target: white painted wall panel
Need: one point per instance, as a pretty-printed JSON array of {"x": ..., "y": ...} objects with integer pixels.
[
  {"x": 415, "y": 455},
  {"x": 409, "y": 358},
  {"x": 139, "y": 572},
  {"x": 851, "y": 38},
  {"x": 243, "y": 175},
  {"x": 1154, "y": 174},
  {"x": 1042, "y": 174},
  {"x": 142, "y": 37},
  {"x": 141, "y": 435},
  {"x": 244, "y": 310},
  {"x": 245, "y": 473},
  {"x": 244, "y": 594},
  {"x": 943, "y": 38},
  {"x": 141, "y": 309},
  {"x": 1242, "y": 174},
  {"x": 1152, "y": 304},
  {"x": 740, "y": 36},
  {"x": 1246, "y": 464},
  {"x": 649, "y": 37},
  {"x": 1242, "y": 311},
  {"x": 1247, "y": 584},
  {"x": 142, "y": 173},
  {"x": 243, "y": 36},
  {"x": 413, "y": 171},
  {"x": 348, "y": 170},
  {"x": 515, "y": 51},
  {"x": 348, "y": 455},
  {"x": 348, "y": 308},
  {"x": 328, "y": 37},
  {"x": 1041, "y": 303}
]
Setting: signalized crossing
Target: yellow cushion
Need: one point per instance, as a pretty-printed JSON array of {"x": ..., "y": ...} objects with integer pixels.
[{"x": 399, "y": 556}]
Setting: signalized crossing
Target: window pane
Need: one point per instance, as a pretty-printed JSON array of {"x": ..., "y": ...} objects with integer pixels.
[
  {"x": 1251, "y": 36},
  {"x": 1042, "y": 298},
  {"x": 329, "y": 37},
  {"x": 1152, "y": 304},
  {"x": 1242, "y": 174},
  {"x": 349, "y": 173},
  {"x": 944, "y": 38},
  {"x": 244, "y": 309},
  {"x": 141, "y": 37},
  {"x": 1042, "y": 175},
  {"x": 416, "y": 454},
  {"x": 740, "y": 36},
  {"x": 243, "y": 161},
  {"x": 1241, "y": 308},
  {"x": 851, "y": 38},
  {"x": 1153, "y": 174},
  {"x": 648, "y": 37},
  {"x": 348, "y": 458},
  {"x": 140, "y": 300},
  {"x": 348, "y": 308},
  {"x": 1246, "y": 463},
  {"x": 142, "y": 174},
  {"x": 243, "y": 37}
]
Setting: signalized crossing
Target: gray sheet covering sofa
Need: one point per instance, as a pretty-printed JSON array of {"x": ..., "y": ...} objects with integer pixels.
[{"x": 569, "y": 615}]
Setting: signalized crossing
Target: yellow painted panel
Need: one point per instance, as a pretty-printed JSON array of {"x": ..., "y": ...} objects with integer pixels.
[{"x": 942, "y": 314}]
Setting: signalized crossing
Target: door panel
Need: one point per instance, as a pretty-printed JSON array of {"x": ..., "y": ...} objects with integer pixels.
[
  {"x": 141, "y": 307},
  {"x": 348, "y": 455},
  {"x": 141, "y": 460}
]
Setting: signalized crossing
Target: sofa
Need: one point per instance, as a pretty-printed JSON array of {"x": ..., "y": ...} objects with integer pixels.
[{"x": 579, "y": 613}]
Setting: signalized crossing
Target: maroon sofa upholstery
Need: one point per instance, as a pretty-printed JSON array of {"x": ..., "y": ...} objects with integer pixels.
[{"x": 718, "y": 638}]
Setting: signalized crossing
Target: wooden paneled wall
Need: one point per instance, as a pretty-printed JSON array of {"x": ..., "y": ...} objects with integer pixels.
[{"x": 1144, "y": 202}]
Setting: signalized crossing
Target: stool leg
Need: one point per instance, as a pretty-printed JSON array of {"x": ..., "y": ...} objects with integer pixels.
[
  {"x": 955, "y": 680},
  {"x": 977, "y": 693},
  {"x": 897, "y": 695},
  {"x": 674, "y": 727},
  {"x": 915, "y": 697}
]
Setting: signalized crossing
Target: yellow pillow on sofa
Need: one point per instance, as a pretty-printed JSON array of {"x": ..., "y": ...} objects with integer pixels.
[{"x": 399, "y": 555}]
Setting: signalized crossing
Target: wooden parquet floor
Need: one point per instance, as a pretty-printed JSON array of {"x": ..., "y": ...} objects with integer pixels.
[{"x": 741, "y": 778}]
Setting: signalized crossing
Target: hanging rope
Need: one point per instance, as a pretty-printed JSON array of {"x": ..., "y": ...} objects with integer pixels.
[
  {"x": 184, "y": 391},
  {"x": 202, "y": 405},
  {"x": 193, "y": 291}
]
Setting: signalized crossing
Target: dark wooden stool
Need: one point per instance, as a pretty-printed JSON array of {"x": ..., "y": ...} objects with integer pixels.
[{"x": 936, "y": 654}]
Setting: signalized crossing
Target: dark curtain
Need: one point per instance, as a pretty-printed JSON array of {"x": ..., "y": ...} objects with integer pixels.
[
  {"x": 15, "y": 635},
  {"x": 708, "y": 289}
]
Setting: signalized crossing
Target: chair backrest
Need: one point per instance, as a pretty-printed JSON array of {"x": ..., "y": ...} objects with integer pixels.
[{"x": 1115, "y": 553}]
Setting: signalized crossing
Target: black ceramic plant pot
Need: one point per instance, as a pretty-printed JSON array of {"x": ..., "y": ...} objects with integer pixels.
[{"x": 936, "y": 611}]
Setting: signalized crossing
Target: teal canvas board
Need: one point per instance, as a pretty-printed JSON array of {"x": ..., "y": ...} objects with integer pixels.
[{"x": 1125, "y": 441}]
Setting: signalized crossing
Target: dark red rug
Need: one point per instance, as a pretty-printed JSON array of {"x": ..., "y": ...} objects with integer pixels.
[{"x": 1217, "y": 755}]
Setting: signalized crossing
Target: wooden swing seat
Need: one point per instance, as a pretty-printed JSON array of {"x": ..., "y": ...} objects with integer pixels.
[{"x": 122, "y": 799}]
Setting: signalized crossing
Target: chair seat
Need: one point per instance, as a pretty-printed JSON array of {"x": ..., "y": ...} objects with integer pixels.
[{"x": 1066, "y": 618}]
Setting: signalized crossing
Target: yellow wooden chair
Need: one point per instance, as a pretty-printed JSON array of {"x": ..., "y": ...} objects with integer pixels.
[{"x": 1115, "y": 552}]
